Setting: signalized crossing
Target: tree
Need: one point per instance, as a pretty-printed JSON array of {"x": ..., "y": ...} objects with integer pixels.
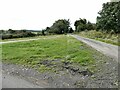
[
  {"x": 43, "y": 32},
  {"x": 109, "y": 17},
  {"x": 83, "y": 24},
  {"x": 11, "y": 31},
  {"x": 79, "y": 22},
  {"x": 47, "y": 29},
  {"x": 60, "y": 26},
  {"x": 23, "y": 31},
  {"x": 70, "y": 30},
  {"x": 80, "y": 27},
  {"x": 90, "y": 26},
  {"x": 2, "y": 31}
]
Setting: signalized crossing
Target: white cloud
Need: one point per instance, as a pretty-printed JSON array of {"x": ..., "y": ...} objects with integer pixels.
[{"x": 38, "y": 14}]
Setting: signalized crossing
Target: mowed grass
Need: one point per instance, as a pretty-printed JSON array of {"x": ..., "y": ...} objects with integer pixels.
[{"x": 31, "y": 53}]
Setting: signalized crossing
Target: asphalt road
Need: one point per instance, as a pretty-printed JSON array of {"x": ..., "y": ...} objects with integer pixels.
[{"x": 107, "y": 49}]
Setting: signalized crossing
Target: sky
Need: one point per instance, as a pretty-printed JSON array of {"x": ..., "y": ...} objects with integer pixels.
[{"x": 39, "y": 14}]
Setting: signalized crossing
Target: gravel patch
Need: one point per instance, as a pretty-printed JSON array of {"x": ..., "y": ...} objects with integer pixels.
[{"x": 70, "y": 75}]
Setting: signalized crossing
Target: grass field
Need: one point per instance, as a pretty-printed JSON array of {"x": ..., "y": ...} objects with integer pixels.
[{"x": 63, "y": 48}]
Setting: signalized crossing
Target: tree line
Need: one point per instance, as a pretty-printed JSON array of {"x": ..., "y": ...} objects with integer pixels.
[
  {"x": 9, "y": 34},
  {"x": 61, "y": 26},
  {"x": 107, "y": 21}
]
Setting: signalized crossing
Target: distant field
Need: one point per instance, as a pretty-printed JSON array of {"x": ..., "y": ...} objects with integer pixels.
[{"x": 32, "y": 53}]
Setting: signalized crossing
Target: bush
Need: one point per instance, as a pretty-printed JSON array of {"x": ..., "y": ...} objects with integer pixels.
[
  {"x": 6, "y": 36},
  {"x": 21, "y": 35},
  {"x": 92, "y": 34},
  {"x": 96, "y": 34}
]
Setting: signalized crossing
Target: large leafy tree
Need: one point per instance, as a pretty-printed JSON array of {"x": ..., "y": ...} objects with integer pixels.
[
  {"x": 109, "y": 17},
  {"x": 80, "y": 25},
  {"x": 83, "y": 24},
  {"x": 60, "y": 26}
]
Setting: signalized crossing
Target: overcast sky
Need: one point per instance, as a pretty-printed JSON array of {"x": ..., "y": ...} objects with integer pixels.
[{"x": 38, "y": 14}]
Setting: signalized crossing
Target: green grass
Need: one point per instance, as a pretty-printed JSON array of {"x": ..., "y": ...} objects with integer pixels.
[
  {"x": 109, "y": 41},
  {"x": 101, "y": 36},
  {"x": 31, "y": 53}
]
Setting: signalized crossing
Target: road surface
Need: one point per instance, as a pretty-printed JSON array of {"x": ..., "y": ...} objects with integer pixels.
[
  {"x": 9, "y": 81},
  {"x": 107, "y": 49}
]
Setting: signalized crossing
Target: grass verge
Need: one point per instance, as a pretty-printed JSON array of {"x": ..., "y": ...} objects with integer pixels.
[{"x": 101, "y": 36}]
